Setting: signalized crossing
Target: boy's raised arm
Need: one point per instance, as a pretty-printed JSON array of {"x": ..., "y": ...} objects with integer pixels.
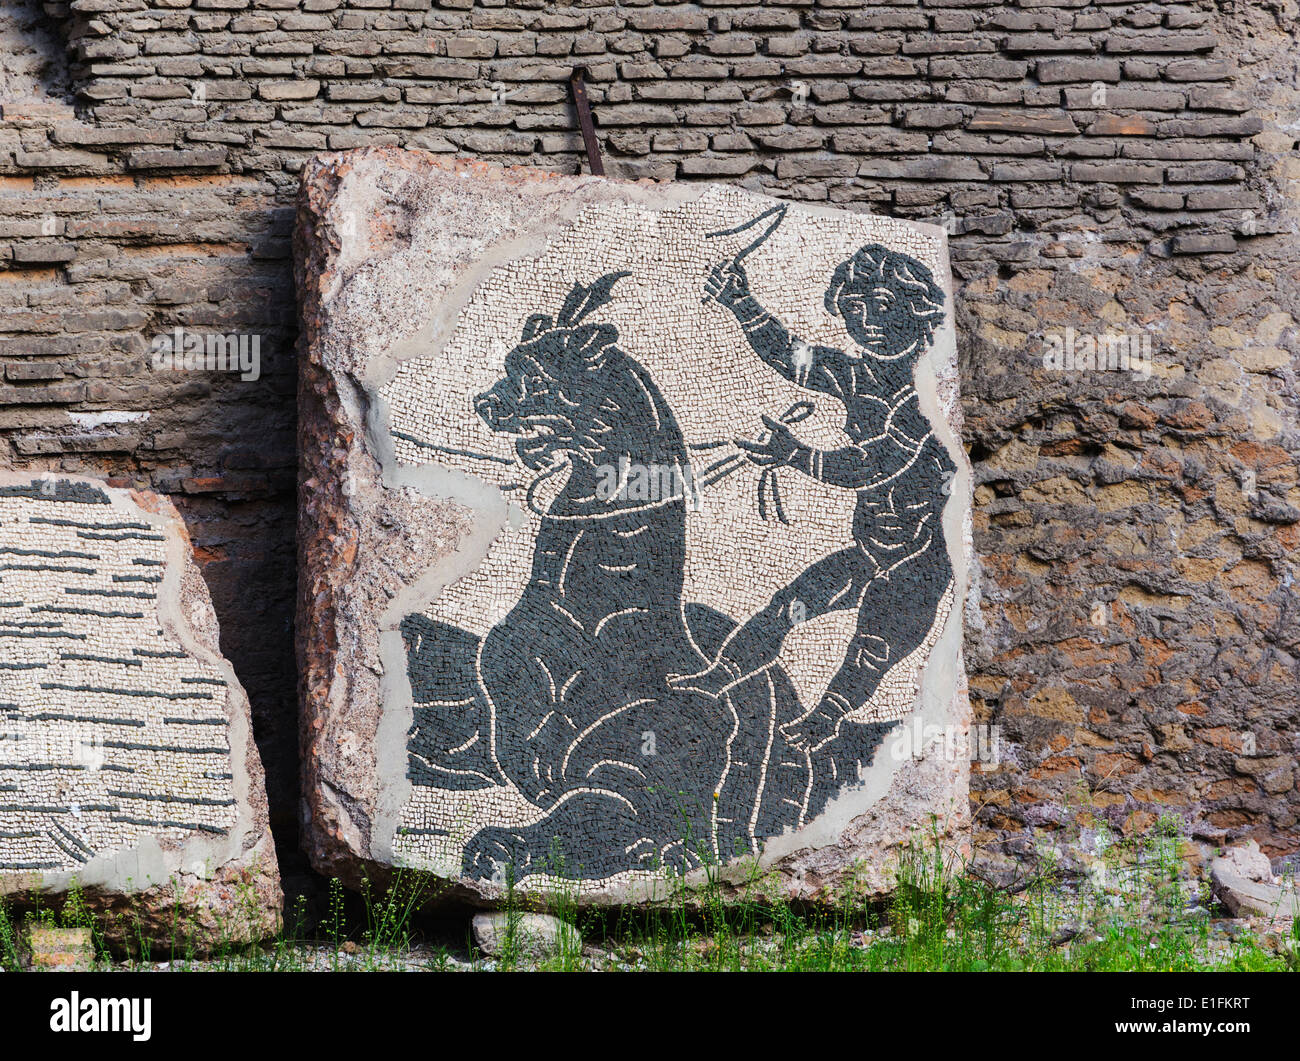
[{"x": 817, "y": 368}]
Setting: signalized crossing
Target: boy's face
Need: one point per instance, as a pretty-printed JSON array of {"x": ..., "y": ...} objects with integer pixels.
[{"x": 876, "y": 319}]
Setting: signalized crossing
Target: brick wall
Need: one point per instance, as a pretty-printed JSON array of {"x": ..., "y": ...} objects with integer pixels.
[
  {"x": 1102, "y": 166},
  {"x": 1126, "y": 111}
]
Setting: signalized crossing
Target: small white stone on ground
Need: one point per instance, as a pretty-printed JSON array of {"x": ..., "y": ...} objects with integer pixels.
[{"x": 535, "y": 935}]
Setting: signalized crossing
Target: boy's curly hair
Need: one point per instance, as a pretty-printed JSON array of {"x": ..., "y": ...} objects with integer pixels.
[{"x": 902, "y": 274}]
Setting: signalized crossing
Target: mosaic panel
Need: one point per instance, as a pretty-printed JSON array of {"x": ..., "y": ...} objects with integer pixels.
[
  {"x": 112, "y": 731},
  {"x": 724, "y": 566}
]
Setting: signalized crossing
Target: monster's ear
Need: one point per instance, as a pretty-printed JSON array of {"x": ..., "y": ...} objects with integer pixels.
[
  {"x": 594, "y": 344},
  {"x": 583, "y": 299},
  {"x": 535, "y": 325}
]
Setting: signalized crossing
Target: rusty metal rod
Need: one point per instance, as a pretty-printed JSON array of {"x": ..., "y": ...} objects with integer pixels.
[{"x": 583, "y": 105}]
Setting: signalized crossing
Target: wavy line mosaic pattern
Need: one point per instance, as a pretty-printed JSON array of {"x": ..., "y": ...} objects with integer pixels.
[
  {"x": 725, "y": 565},
  {"x": 110, "y": 730}
]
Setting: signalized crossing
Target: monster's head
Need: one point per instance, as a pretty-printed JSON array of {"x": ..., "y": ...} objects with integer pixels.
[{"x": 556, "y": 381}]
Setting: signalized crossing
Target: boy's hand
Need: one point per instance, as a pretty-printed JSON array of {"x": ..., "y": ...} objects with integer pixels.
[
  {"x": 726, "y": 283},
  {"x": 774, "y": 451}
]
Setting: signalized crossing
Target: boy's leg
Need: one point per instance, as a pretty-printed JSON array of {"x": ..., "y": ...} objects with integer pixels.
[
  {"x": 833, "y": 583},
  {"x": 896, "y": 614}
]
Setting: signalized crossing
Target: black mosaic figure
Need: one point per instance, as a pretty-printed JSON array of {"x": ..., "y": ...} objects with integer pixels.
[
  {"x": 567, "y": 697},
  {"x": 897, "y": 571}
]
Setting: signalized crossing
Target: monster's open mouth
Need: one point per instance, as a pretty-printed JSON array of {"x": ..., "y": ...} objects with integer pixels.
[
  {"x": 536, "y": 451},
  {"x": 494, "y": 412},
  {"x": 541, "y": 436}
]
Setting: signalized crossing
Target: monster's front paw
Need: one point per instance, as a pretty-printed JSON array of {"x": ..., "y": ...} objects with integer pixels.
[
  {"x": 682, "y": 857},
  {"x": 495, "y": 855},
  {"x": 812, "y": 730}
]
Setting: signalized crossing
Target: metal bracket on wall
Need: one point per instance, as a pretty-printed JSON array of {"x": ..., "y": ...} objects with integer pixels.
[{"x": 579, "y": 88}]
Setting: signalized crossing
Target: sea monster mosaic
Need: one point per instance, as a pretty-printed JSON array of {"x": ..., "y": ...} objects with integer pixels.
[{"x": 725, "y": 563}]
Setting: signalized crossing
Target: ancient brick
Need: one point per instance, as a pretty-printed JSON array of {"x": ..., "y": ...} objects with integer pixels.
[
  {"x": 386, "y": 118},
  {"x": 1028, "y": 171},
  {"x": 931, "y": 117},
  {"x": 824, "y": 66},
  {"x": 1006, "y": 121},
  {"x": 1042, "y": 196},
  {"x": 1148, "y": 43},
  {"x": 1184, "y": 150},
  {"x": 1221, "y": 199},
  {"x": 51, "y": 394},
  {"x": 1157, "y": 200},
  {"x": 973, "y": 66},
  {"x": 1117, "y": 173},
  {"x": 1120, "y": 98},
  {"x": 431, "y": 68},
  {"x": 937, "y": 45},
  {"x": 266, "y": 67},
  {"x": 1198, "y": 70},
  {"x": 1121, "y": 125},
  {"x": 119, "y": 136},
  {"x": 661, "y": 19},
  {"x": 288, "y": 90},
  {"x": 1043, "y": 43},
  {"x": 32, "y": 371},
  {"x": 1209, "y": 243},
  {"x": 1216, "y": 126},
  {"x": 158, "y": 158},
  {"x": 988, "y": 144},
  {"x": 107, "y": 49},
  {"x": 42, "y": 253},
  {"x": 880, "y": 141},
  {"x": 716, "y": 165},
  {"x": 471, "y": 48},
  {"x": 895, "y": 18},
  {"x": 946, "y": 169},
  {"x": 1216, "y": 98},
  {"x": 1205, "y": 171},
  {"x": 805, "y": 166},
  {"x": 54, "y": 159}
]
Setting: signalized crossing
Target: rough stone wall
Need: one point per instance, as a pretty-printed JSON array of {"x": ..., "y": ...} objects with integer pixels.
[{"x": 1101, "y": 166}]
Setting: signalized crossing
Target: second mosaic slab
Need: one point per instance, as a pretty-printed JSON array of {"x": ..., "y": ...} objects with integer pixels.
[{"x": 128, "y": 773}]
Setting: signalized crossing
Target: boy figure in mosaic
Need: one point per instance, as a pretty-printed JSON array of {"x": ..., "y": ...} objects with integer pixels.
[{"x": 896, "y": 573}]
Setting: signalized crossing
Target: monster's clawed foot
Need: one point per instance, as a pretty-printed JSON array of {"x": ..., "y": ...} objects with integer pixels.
[
  {"x": 681, "y": 857},
  {"x": 814, "y": 729},
  {"x": 497, "y": 855}
]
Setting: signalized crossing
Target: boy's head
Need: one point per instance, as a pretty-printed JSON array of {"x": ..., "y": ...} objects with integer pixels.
[{"x": 889, "y": 301}]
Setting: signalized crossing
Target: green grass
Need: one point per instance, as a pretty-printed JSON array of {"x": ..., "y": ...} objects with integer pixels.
[
  {"x": 1138, "y": 909},
  {"x": 1139, "y": 912}
]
